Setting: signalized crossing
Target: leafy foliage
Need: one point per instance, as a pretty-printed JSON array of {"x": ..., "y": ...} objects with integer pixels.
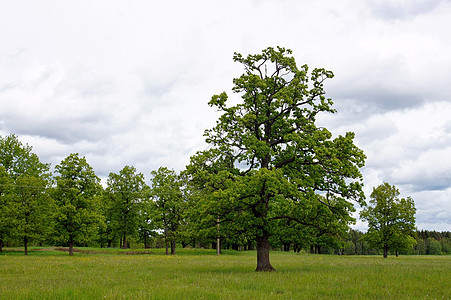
[
  {"x": 268, "y": 160},
  {"x": 18, "y": 159},
  {"x": 127, "y": 196},
  {"x": 24, "y": 203},
  {"x": 6, "y": 217},
  {"x": 77, "y": 195},
  {"x": 33, "y": 209},
  {"x": 391, "y": 220},
  {"x": 169, "y": 204}
]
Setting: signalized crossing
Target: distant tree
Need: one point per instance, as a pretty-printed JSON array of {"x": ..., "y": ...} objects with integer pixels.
[
  {"x": 147, "y": 228},
  {"x": 199, "y": 227},
  {"x": 391, "y": 220},
  {"x": 18, "y": 159},
  {"x": 33, "y": 209},
  {"x": 329, "y": 227},
  {"x": 209, "y": 222},
  {"x": 6, "y": 218},
  {"x": 23, "y": 179},
  {"x": 127, "y": 194},
  {"x": 432, "y": 242},
  {"x": 77, "y": 195},
  {"x": 106, "y": 236},
  {"x": 446, "y": 245},
  {"x": 420, "y": 246},
  {"x": 355, "y": 237},
  {"x": 403, "y": 242},
  {"x": 433, "y": 247},
  {"x": 169, "y": 204}
]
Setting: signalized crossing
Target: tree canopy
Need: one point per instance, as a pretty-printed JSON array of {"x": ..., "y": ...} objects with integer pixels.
[
  {"x": 77, "y": 195},
  {"x": 127, "y": 193},
  {"x": 23, "y": 203},
  {"x": 169, "y": 204},
  {"x": 268, "y": 160},
  {"x": 391, "y": 220}
]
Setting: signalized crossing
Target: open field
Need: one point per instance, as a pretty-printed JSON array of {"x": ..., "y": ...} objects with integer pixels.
[{"x": 200, "y": 274}]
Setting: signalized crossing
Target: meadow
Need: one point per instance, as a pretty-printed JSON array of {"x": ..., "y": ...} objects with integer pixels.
[{"x": 200, "y": 274}]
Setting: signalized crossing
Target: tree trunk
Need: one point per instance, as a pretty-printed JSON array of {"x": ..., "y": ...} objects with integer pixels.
[
  {"x": 218, "y": 238},
  {"x": 218, "y": 247},
  {"x": 166, "y": 240},
  {"x": 250, "y": 246},
  {"x": 146, "y": 242},
  {"x": 385, "y": 251},
  {"x": 286, "y": 247},
  {"x": 397, "y": 253},
  {"x": 124, "y": 242},
  {"x": 173, "y": 244},
  {"x": 25, "y": 244},
  {"x": 1, "y": 245},
  {"x": 263, "y": 247},
  {"x": 71, "y": 246}
]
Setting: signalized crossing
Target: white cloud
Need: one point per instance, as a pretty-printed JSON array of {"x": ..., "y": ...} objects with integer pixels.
[{"x": 400, "y": 9}]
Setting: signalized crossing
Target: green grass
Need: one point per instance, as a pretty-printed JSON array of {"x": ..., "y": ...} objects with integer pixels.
[{"x": 200, "y": 274}]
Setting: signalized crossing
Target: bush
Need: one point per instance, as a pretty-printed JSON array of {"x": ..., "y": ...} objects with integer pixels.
[
  {"x": 434, "y": 247},
  {"x": 446, "y": 246}
]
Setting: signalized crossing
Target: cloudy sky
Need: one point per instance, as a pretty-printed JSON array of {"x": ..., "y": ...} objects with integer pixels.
[{"x": 127, "y": 82}]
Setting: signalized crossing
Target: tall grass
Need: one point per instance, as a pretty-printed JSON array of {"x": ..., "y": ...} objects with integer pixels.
[{"x": 199, "y": 274}]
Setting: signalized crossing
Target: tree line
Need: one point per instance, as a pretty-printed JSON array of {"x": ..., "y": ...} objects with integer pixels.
[
  {"x": 271, "y": 177},
  {"x": 426, "y": 243},
  {"x": 71, "y": 208}
]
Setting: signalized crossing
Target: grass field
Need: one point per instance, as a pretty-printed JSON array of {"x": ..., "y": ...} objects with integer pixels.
[{"x": 200, "y": 274}]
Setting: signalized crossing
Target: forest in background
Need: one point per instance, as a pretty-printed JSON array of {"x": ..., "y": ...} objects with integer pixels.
[{"x": 128, "y": 213}]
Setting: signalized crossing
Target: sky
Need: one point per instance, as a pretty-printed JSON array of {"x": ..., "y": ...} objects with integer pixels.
[{"x": 128, "y": 82}]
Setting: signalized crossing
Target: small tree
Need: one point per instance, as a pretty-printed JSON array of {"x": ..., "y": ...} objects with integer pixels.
[
  {"x": 127, "y": 194},
  {"x": 433, "y": 247},
  {"x": 6, "y": 218},
  {"x": 77, "y": 196},
  {"x": 391, "y": 220},
  {"x": 355, "y": 236},
  {"x": 166, "y": 191},
  {"x": 18, "y": 159},
  {"x": 23, "y": 179},
  {"x": 33, "y": 209}
]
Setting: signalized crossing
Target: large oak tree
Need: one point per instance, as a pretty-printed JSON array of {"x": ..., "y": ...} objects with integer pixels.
[{"x": 268, "y": 160}]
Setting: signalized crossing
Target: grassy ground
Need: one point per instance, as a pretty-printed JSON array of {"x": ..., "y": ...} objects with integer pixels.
[{"x": 200, "y": 274}]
